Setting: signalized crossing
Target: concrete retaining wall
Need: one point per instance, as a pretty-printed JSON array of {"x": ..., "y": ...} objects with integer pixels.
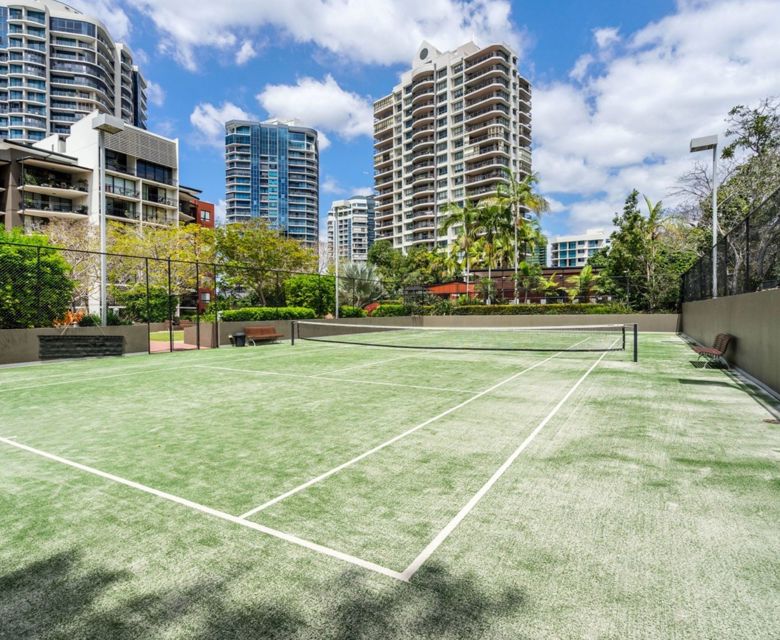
[
  {"x": 753, "y": 319},
  {"x": 21, "y": 345}
]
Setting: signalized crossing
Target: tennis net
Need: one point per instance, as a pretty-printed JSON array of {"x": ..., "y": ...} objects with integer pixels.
[{"x": 605, "y": 337}]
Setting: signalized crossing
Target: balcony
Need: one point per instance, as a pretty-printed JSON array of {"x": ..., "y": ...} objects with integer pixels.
[
  {"x": 46, "y": 206},
  {"x": 491, "y": 55},
  {"x": 123, "y": 192}
]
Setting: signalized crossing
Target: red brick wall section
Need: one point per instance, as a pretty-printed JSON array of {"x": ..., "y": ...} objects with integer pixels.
[{"x": 205, "y": 213}]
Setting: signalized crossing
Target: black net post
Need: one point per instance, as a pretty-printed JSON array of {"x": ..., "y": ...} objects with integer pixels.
[
  {"x": 148, "y": 308},
  {"x": 747, "y": 254},
  {"x": 292, "y": 333},
  {"x": 636, "y": 342}
]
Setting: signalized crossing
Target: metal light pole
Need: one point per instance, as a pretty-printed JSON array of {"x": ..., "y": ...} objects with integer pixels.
[
  {"x": 104, "y": 124},
  {"x": 336, "y": 255},
  {"x": 705, "y": 144}
]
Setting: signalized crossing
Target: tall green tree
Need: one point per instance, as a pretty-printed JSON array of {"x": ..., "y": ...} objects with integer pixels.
[
  {"x": 465, "y": 220},
  {"x": 258, "y": 259},
  {"x": 647, "y": 256},
  {"x": 35, "y": 282},
  {"x": 521, "y": 197}
]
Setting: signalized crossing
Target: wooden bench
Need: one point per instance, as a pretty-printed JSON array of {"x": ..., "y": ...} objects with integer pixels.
[
  {"x": 717, "y": 351},
  {"x": 261, "y": 334}
]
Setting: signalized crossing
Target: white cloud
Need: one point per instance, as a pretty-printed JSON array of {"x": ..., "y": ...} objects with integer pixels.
[
  {"x": 209, "y": 121},
  {"x": 245, "y": 53},
  {"x": 323, "y": 142},
  {"x": 155, "y": 93},
  {"x": 606, "y": 37},
  {"x": 321, "y": 105},
  {"x": 628, "y": 122},
  {"x": 366, "y": 31},
  {"x": 363, "y": 191},
  {"x": 109, "y": 13},
  {"x": 331, "y": 185}
]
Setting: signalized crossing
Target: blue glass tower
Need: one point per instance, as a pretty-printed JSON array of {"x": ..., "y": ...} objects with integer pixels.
[{"x": 272, "y": 172}]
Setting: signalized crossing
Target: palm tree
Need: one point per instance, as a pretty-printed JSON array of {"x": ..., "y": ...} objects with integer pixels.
[
  {"x": 494, "y": 222},
  {"x": 360, "y": 284},
  {"x": 465, "y": 220},
  {"x": 519, "y": 196}
]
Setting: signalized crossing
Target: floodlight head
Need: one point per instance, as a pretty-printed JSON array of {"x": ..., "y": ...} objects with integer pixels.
[
  {"x": 108, "y": 124},
  {"x": 704, "y": 144}
]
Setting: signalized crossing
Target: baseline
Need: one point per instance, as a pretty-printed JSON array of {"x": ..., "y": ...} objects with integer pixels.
[{"x": 287, "y": 537}]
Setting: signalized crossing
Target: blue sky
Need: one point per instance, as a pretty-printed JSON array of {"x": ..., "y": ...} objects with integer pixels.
[{"x": 619, "y": 86}]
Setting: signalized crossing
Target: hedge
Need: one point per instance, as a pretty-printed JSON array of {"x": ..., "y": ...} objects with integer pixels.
[
  {"x": 585, "y": 308},
  {"x": 347, "y": 311},
  {"x": 251, "y": 314},
  {"x": 386, "y": 310}
]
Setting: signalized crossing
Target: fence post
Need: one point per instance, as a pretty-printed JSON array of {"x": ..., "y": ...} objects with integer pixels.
[
  {"x": 636, "y": 342},
  {"x": 747, "y": 254},
  {"x": 197, "y": 304},
  {"x": 170, "y": 308},
  {"x": 148, "y": 309},
  {"x": 38, "y": 286}
]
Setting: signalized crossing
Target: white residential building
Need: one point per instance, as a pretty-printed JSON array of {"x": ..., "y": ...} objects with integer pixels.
[
  {"x": 447, "y": 133},
  {"x": 142, "y": 172},
  {"x": 58, "y": 64},
  {"x": 351, "y": 227},
  {"x": 574, "y": 250}
]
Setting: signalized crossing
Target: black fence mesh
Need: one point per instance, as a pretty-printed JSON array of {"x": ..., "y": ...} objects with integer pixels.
[{"x": 748, "y": 257}]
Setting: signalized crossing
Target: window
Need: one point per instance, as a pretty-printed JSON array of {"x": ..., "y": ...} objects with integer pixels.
[
  {"x": 205, "y": 216},
  {"x": 152, "y": 171},
  {"x": 73, "y": 26}
]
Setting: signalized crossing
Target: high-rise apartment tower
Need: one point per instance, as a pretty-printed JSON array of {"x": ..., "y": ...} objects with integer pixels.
[
  {"x": 351, "y": 228},
  {"x": 57, "y": 65},
  {"x": 272, "y": 172},
  {"x": 448, "y": 133}
]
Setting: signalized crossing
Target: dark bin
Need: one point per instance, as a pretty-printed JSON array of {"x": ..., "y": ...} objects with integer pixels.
[{"x": 238, "y": 339}]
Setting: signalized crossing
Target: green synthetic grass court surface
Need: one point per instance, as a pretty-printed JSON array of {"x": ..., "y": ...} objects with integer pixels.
[
  {"x": 164, "y": 336},
  {"x": 646, "y": 507}
]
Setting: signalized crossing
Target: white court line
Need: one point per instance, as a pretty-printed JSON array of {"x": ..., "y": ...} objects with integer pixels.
[
  {"x": 327, "y": 379},
  {"x": 313, "y": 546},
  {"x": 387, "y": 443},
  {"x": 77, "y": 379},
  {"x": 444, "y": 533},
  {"x": 366, "y": 364}
]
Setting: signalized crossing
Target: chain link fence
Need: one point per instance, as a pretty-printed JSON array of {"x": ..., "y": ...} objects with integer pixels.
[{"x": 748, "y": 257}]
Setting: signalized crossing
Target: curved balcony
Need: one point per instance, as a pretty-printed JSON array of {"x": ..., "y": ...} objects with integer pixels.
[
  {"x": 421, "y": 203},
  {"x": 486, "y": 113},
  {"x": 474, "y": 168},
  {"x": 422, "y": 143},
  {"x": 494, "y": 97},
  {"x": 424, "y": 108},
  {"x": 495, "y": 70},
  {"x": 422, "y": 131},
  {"x": 421, "y": 166},
  {"x": 484, "y": 88},
  {"x": 423, "y": 96},
  {"x": 492, "y": 55}
]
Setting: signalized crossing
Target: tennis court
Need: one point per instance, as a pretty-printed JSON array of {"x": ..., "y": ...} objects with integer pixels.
[{"x": 348, "y": 480}]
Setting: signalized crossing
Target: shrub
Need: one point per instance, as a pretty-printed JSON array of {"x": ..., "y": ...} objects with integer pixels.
[
  {"x": 388, "y": 310},
  {"x": 347, "y": 311},
  {"x": 251, "y": 314},
  {"x": 35, "y": 283},
  {"x": 92, "y": 320},
  {"x": 538, "y": 309},
  {"x": 134, "y": 303},
  {"x": 311, "y": 291}
]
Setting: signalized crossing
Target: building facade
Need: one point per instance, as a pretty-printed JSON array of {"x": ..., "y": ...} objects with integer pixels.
[
  {"x": 56, "y": 66},
  {"x": 193, "y": 210},
  {"x": 574, "y": 250},
  {"x": 448, "y": 132},
  {"x": 272, "y": 172},
  {"x": 351, "y": 229}
]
